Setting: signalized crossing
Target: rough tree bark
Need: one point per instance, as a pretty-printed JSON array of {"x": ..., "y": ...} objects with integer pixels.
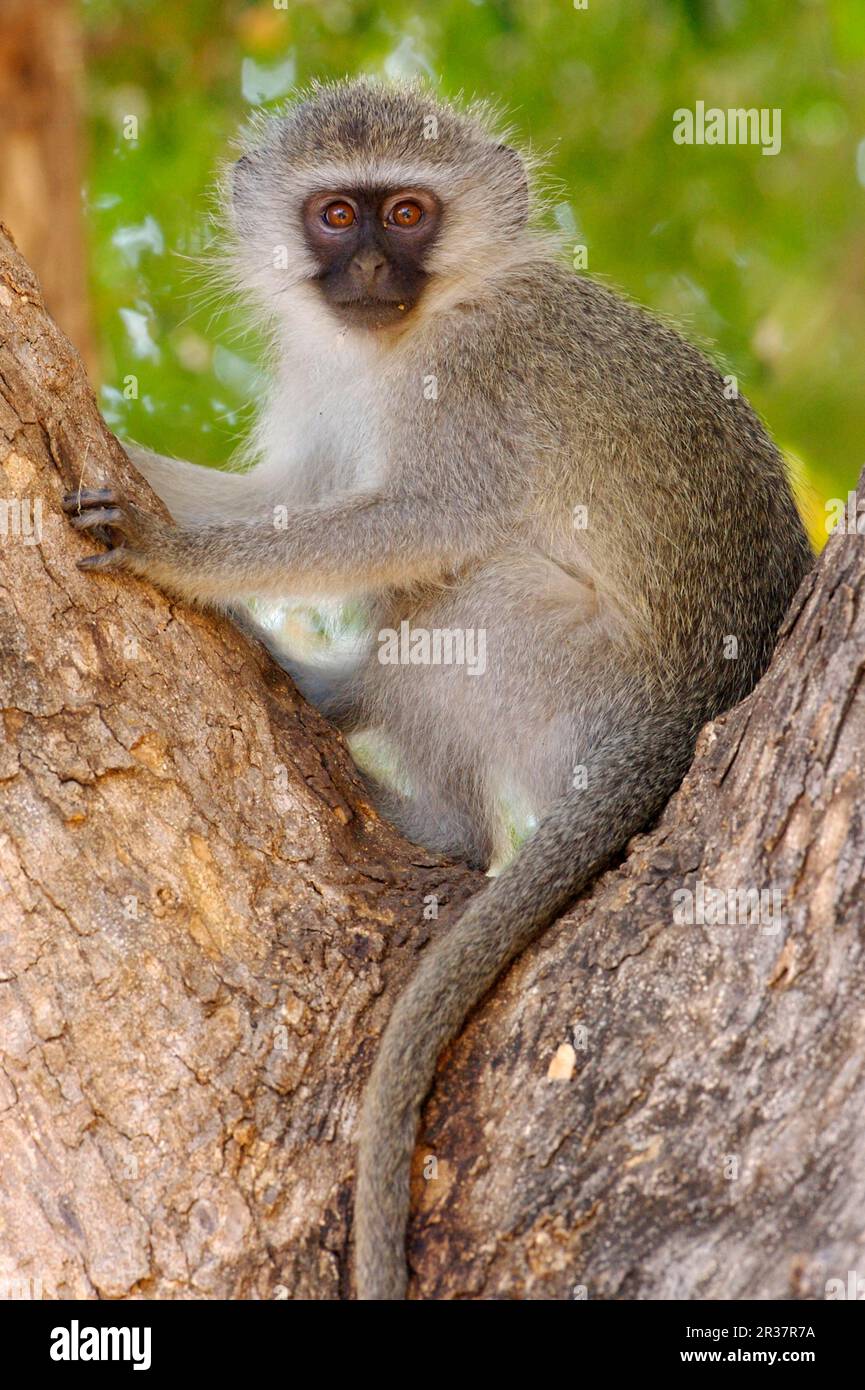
[
  {"x": 204, "y": 927},
  {"x": 42, "y": 139}
]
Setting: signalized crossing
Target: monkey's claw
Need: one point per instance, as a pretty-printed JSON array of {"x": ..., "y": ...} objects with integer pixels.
[
  {"x": 89, "y": 497},
  {"x": 99, "y": 516},
  {"x": 108, "y": 560}
]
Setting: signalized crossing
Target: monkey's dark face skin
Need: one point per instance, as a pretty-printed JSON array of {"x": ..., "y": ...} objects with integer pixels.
[{"x": 371, "y": 246}]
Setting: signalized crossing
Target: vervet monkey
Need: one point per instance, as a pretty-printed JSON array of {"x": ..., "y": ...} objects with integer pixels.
[{"x": 469, "y": 437}]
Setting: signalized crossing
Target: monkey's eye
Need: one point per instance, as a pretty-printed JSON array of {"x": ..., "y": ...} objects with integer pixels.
[
  {"x": 338, "y": 215},
  {"x": 405, "y": 214}
]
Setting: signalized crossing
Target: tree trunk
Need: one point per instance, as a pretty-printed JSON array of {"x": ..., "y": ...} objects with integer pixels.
[
  {"x": 41, "y": 136},
  {"x": 205, "y": 927}
]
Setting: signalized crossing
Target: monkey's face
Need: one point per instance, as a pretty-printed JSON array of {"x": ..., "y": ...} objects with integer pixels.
[
  {"x": 370, "y": 247},
  {"x": 369, "y": 204}
]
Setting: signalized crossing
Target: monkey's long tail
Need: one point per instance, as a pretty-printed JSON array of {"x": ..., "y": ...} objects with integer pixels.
[{"x": 630, "y": 780}]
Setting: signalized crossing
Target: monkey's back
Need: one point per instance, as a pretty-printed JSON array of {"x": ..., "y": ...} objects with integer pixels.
[{"x": 691, "y": 530}]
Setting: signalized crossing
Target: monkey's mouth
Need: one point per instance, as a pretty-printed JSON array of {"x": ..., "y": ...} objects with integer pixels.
[{"x": 369, "y": 312}]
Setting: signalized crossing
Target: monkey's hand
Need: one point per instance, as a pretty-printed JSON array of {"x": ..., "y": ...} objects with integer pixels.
[{"x": 137, "y": 538}]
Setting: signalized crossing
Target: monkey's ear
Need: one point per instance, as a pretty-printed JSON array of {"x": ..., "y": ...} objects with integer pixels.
[{"x": 519, "y": 178}]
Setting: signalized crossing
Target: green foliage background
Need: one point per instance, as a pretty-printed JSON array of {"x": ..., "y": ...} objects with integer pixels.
[{"x": 763, "y": 257}]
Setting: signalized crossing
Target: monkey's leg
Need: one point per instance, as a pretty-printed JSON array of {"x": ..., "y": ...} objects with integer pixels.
[
  {"x": 333, "y": 690},
  {"x": 489, "y": 739},
  {"x": 427, "y": 817}
]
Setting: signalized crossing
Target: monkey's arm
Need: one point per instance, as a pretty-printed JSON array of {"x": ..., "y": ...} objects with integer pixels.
[
  {"x": 195, "y": 494},
  {"x": 352, "y": 545}
]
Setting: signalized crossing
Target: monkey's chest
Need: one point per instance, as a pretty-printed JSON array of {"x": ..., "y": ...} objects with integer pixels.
[{"x": 329, "y": 438}]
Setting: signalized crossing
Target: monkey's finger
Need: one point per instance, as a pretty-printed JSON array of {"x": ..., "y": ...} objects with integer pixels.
[
  {"x": 103, "y": 516},
  {"x": 109, "y": 560},
  {"x": 89, "y": 497}
]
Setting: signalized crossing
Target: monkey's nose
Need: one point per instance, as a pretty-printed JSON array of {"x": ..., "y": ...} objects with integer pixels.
[{"x": 366, "y": 266}]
